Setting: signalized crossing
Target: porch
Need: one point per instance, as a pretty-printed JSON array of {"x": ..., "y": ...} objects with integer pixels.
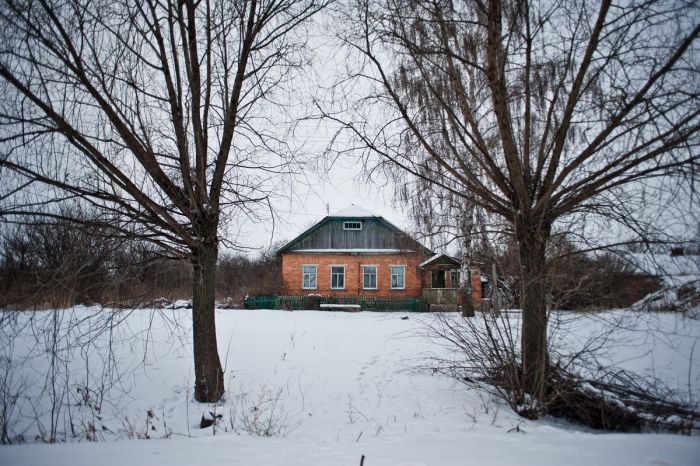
[{"x": 444, "y": 287}]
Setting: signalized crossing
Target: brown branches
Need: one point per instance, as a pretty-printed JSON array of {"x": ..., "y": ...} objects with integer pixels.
[
  {"x": 529, "y": 114},
  {"x": 483, "y": 352},
  {"x": 150, "y": 112}
]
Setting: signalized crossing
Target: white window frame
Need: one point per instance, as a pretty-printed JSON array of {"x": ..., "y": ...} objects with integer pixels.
[
  {"x": 344, "y": 276},
  {"x": 391, "y": 277},
  {"x": 459, "y": 278},
  {"x": 346, "y": 222},
  {"x": 376, "y": 277},
  {"x": 303, "y": 274}
]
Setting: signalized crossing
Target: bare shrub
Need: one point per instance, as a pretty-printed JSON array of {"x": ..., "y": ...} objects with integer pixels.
[
  {"x": 75, "y": 371},
  {"x": 241, "y": 275},
  {"x": 261, "y": 413},
  {"x": 483, "y": 352},
  {"x": 58, "y": 263},
  {"x": 12, "y": 386}
]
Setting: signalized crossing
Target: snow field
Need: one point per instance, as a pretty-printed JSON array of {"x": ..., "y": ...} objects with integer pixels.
[{"x": 329, "y": 386}]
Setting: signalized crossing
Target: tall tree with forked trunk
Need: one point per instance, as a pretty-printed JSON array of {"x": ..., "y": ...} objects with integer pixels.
[
  {"x": 160, "y": 113},
  {"x": 532, "y": 112}
]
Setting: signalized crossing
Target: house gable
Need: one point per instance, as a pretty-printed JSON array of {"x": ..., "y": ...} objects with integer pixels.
[
  {"x": 334, "y": 234},
  {"x": 440, "y": 261}
]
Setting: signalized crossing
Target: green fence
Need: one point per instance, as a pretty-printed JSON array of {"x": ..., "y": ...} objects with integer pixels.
[{"x": 367, "y": 303}]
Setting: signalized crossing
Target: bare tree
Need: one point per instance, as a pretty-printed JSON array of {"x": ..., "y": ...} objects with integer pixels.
[
  {"x": 532, "y": 112},
  {"x": 158, "y": 112}
]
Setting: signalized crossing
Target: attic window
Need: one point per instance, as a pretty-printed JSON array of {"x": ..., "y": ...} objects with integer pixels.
[{"x": 352, "y": 225}]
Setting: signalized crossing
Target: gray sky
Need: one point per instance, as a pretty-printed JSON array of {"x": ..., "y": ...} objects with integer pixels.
[{"x": 306, "y": 204}]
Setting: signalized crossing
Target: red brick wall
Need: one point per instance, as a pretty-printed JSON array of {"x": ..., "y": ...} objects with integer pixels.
[
  {"x": 476, "y": 286},
  {"x": 292, "y": 274}
]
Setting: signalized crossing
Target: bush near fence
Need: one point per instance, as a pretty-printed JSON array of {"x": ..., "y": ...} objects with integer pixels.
[{"x": 313, "y": 302}]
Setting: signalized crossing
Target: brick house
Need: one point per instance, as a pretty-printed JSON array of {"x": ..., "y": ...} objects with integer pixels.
[
  {"x": 353, "y": 253},
  {"x": 356, "y": 253}
]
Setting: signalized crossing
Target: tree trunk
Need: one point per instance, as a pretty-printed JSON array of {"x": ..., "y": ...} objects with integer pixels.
[
  {"x": 532, "y": 238},
  {"x": 495, "y": 298},
  {"x": 209, "y": 382},
  {"x": 466, "y": 290}
]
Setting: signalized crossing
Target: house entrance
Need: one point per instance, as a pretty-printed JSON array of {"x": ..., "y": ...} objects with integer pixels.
[{"x": 438, "y": 278}]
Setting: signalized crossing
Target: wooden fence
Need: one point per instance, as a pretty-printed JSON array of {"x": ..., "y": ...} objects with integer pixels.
[{"x": 313, "y": 302}]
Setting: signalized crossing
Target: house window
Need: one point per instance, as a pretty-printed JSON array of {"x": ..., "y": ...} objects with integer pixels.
[
  {"x": 398, "y": 277},
  {"x": 337, "y": 277},
  {"x": 369, "y": 274},
  {"x": 352, "y": 225},
  {"x": 455, "y": 277},
  {"x": 308, "y": 281}
]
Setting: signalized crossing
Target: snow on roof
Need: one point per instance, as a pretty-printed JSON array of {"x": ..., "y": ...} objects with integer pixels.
[
  {"x": 428, "y": 261},
  {"x": 436, "y": 257},
  {"x": 353, "y": 211}
]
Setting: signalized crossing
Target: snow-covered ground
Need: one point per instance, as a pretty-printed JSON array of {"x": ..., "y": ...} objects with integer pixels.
[{"x": 329, "y": 386}]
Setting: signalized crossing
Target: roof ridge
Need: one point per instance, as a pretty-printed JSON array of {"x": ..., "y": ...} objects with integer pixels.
[{"x": 353, "y": 210}]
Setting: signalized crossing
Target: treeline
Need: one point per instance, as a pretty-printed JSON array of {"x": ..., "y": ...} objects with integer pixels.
[
  {"x": 575, "y": 280},
  {"x": 603, "y": 280},
  {"x": 59, "y": 263}
]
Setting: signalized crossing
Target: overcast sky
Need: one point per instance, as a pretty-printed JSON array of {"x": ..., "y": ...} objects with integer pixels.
[
  {"x": 306, "y": 204},
  {"x": 303, "y": 203}
]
